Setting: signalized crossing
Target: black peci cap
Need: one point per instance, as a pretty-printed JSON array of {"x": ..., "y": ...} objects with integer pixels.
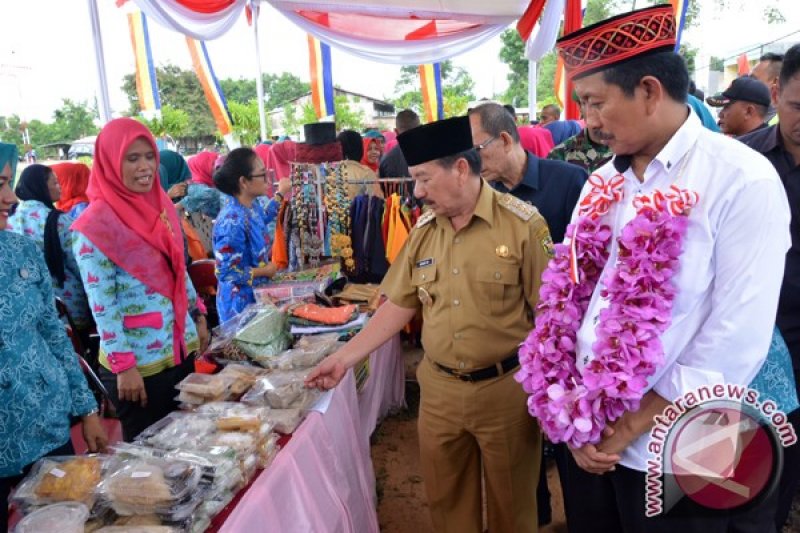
[{"x": 436, "y": 140}]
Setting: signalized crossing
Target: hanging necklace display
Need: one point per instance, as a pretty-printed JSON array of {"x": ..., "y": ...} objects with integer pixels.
[{"x": 338, "y": 208}]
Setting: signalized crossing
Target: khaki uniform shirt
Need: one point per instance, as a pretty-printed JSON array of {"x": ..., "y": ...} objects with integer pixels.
[{"x": 477, "y": 287}]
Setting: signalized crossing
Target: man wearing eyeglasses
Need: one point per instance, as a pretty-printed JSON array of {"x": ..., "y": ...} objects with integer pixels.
[{"x": 552, "y": 186}]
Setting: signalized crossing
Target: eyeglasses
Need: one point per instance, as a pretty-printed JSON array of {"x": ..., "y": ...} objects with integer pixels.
[
  {"x": 262, "y": 176},
  {"x": 485, "y": 143}
]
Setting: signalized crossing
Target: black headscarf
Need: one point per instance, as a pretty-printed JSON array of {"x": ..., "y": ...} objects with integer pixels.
[
  {"x": 352, "y": 145},
  {"x": 32, "y": 185}
]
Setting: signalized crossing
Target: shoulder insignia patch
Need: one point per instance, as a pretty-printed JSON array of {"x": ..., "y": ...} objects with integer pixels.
[
  {"x": 426, "y": 217},
  {"x": 523, "y": 210},
  {"x": 542, "y": 235}
]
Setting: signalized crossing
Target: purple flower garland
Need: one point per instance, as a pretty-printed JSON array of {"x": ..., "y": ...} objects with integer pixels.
[{"x": 575, "y": 407}]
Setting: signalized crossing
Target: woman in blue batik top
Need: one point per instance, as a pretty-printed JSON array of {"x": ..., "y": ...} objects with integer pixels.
[
  {"x": 242, "y": 243},
  {"x": 36, "y": 217},
  {"x": 41, "y": 383}
]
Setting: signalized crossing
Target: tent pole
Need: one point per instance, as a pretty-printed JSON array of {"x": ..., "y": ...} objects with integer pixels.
[
  {"x": 532, "y": 108},
  {"x": 259, "y": 78},
  {"x": 102, "y": 80}
]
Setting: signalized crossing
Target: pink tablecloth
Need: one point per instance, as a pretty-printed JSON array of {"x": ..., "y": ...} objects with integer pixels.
[{"x": 323, "y": 479}]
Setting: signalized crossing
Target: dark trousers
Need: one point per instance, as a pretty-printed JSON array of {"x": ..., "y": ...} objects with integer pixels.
[
  {"x": 790, "y": 476},
  {"x": 161, "y": 395},
  {"x": 615, "y": 503},
  {"x": 558, "y": 452},
  {"x": 8, "y": 483}
]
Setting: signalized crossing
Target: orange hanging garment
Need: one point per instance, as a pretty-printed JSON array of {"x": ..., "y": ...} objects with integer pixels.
[
  {"x": 399, "y": 236},
  {"x": 196, "y": 249},
  {"x": 280, "y": 255}
]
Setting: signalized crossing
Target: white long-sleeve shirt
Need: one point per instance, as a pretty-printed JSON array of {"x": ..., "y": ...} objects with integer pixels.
[{"x": 730, "y": 269}]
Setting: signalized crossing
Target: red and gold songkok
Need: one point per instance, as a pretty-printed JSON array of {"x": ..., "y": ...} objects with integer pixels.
[{"x": 618, "y": 39}]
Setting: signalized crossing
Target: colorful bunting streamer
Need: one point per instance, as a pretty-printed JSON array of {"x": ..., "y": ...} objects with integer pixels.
[
  {"x": 743, "y": 65},
  {"x": 430, "y": 77},
  {"x": 560, "y": 83},
  {"x": 146, "y": 83},
  {"x": 680, "y": 7},
  {"x": 573, "y": 20},
  {"x": 211, "y": 88},
  {"x": 319, "y": 58}
]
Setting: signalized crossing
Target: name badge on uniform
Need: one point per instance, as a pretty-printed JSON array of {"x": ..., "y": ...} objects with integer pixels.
[
  {"x": 425, "y": 262},
  {"x": 501, "y": 251},
  {"x": 424, "y": 296}
]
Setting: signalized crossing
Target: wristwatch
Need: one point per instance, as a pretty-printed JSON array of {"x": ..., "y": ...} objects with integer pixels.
[{"x": 279, "y": 196}]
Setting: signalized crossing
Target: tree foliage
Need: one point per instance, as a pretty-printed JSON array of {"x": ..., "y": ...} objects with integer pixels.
[
  {"x": 180, "y": 89},
  {"x": 291, "y": 123},
  {"x": 458, "y": 89},
  {"x": 278, "y": 89},
  {"x": 246, "y": 125},
  {"x": 71, "y": 121},
  {"x": 172, "y": 122},
  {"x": 347, "y": 118}
]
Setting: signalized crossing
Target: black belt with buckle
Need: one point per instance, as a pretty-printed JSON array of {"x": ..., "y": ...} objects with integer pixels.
[{"x": 503, "y": 367}]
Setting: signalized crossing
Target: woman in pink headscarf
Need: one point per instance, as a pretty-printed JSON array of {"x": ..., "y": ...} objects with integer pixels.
[
  {"x": 536, "y": 140},
  {"x": 129, "y": 249},
  {"x": 202, "y": 168}
]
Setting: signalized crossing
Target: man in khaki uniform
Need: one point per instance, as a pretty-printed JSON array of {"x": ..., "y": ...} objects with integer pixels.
[{"x": 473, "y": 265}]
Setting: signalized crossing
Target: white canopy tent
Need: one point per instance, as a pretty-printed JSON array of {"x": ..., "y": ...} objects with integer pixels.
[{"x": 393, "y": 31}]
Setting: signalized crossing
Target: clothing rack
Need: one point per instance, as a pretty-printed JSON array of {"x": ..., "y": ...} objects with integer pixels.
[{"x": 380, "y": 180}]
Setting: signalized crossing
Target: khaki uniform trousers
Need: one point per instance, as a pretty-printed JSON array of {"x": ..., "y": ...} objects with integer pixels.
[{"x": 464, "y": 426}]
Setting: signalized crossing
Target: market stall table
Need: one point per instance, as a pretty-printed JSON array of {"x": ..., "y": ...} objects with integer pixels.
[{"x": 323, "y": 480}]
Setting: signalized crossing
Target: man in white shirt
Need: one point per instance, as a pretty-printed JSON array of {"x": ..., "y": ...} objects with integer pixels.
[{"x": 633, "y": 89}]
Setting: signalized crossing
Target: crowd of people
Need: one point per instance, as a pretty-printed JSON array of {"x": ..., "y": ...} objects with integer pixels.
[{"x": 574, "y": 278}]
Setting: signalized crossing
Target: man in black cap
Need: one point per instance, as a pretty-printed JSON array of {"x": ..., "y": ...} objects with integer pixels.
[
  {"x": 744, "y": 106},
  {"x": 472, "y": 265}
]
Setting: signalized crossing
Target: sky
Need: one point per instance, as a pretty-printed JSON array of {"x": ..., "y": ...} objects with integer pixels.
[
  {"x": 59, "y": 61},
  {"x": 46, "y": 51}
]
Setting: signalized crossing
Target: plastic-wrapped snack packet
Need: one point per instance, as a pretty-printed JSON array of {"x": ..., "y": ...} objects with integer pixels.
[
  {"x": 178, "y": 430},
  {"x": 151, "y": 486},
  {"x": 262, "y": 332},
  {"x": 329, "y": 340},
  {"x": 63, "y": 517},
  {"x": 234, "y": 416},
  {"x": 297, "y": 358},
  {"x": 61, "y": 479},
  {"x": 210, "y": 386},
  {"x": 242, "y": 378},
  {"x": 285, "y": 420},
  {"x": 267, "y": 450},
  {"x": 282, "y": 390},
  {"x": 245, "y": 446},
  {"x": 138, "y": 529},
  {"x": 219, "y": 465}
]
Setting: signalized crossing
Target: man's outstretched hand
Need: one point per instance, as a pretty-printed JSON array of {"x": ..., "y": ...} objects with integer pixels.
[{"x": 327, "y": 374}]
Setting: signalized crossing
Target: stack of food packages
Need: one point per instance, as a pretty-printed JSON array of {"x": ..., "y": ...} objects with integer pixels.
[{"x": 183, "y": 470}]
